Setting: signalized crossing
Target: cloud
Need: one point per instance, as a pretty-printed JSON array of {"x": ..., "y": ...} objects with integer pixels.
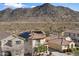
[
  {"x": 33, "y": 6},
  {"x": 14, "y": 5}
]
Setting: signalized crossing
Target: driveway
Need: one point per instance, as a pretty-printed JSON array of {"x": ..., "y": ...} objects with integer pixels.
[{"x": 59, "y": 54}]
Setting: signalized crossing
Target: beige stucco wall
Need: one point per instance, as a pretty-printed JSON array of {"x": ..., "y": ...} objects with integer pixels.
[
  {"x": 18, "y": 48},
  {"x": 4, "y": 41},
  {"x": 42, "y": 41},
  {"x": 15, "y": 48},
  {"x": 66, "y": 47},
  {"x": 35, "y": 42},
  {"x": 72, "y": 43}
]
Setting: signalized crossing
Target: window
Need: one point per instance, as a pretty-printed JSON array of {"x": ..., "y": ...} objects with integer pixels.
[
  {"x": 71, "y": 45},
  {"x": 68, "y": 46},
  {"x": 0, "y": 43},
  {"x": 18, "y": 42},
  {"x": 78, "y": 35},
  {"x": 69, "y": 34},
  {"x": 9, "y": 43},
  {"x": 78, "y": 40},
  {"x": 37, "y": 42},
  {"x": 73, "y": 34}
]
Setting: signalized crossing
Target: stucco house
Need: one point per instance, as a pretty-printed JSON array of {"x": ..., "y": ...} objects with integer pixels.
[
  {"x": 33, "y": 39},
  {"x": 11, "y": 45},
  {"x": 74, "y": 34},
  {"x": 60, "y": 43},
  {"x": 38, "y": 38}
]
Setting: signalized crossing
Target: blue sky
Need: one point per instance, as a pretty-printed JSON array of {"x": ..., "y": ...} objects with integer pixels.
[{"x": 74, "y": 6}]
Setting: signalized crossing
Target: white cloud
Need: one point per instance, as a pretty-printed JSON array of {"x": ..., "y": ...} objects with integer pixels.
[
  {"x": 14, "y": 5},
  {"x": 33, "y": 6}
]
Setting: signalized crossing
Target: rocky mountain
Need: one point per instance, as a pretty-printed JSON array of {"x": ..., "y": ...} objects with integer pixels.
[{"x": 44, "y": 12}]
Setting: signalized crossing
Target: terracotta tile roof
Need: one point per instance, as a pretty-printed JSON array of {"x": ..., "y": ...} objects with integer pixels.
[
  {"x": 59, "y": 41},
  {"x": 37, "y": 36}
]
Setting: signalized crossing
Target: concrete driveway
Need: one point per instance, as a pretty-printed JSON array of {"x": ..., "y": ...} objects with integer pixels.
[{"x": 59, "y": 54}]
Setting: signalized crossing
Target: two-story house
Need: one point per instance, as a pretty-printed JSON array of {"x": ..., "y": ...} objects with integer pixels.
[
  {"x": 11, "y": 45},
  {"x": 74, "y": 34},
  {"x": 38, "y": 38}
]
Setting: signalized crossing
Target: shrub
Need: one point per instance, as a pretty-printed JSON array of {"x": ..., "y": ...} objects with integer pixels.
[{"x": 40, "y": 48}]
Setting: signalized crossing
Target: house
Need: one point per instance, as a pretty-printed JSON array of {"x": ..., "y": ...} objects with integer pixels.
[
  {"x": 74, "y": 34},
  {"x": 37, "y": 37},
  {"x": 33, "y": 39},
  {"x": 60, "y": 43},
  {"x": 11, "y": 45}
]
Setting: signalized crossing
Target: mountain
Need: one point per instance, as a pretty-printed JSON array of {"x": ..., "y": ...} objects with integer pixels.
[{"x": 44, "y": 12}]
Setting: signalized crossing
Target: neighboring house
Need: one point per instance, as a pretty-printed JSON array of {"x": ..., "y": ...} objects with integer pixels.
[
  {"x": 74, "y": 34},
  {"x": 11, "y": 45},
  {"x": 60, "y": 43}
]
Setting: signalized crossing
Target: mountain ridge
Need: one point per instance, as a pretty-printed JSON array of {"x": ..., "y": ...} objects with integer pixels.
[{"x": 44, "y": 12}]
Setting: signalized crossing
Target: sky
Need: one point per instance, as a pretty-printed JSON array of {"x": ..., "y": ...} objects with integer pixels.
[{"x": 73, "y": 6}]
